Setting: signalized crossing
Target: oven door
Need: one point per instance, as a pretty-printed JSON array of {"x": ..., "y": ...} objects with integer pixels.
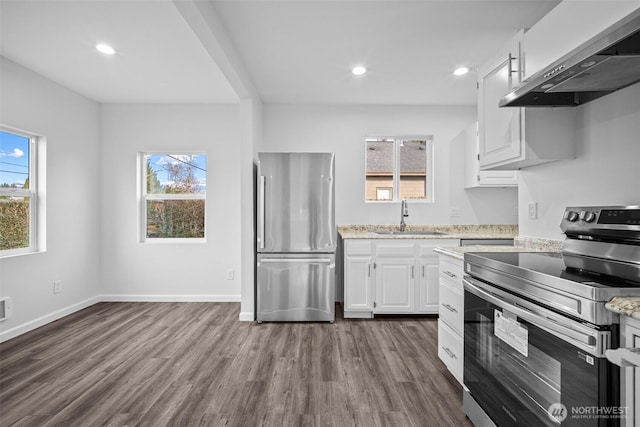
[{"x": 525, "y": 365}]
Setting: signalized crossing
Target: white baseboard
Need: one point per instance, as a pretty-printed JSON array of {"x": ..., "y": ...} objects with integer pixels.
[
  {"x": 169, "y": 298},
  {"x": 41, "y": 321},
  {"x": 246, "y": 316}
]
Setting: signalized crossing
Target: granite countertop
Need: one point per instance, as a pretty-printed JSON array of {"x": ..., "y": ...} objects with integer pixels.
[
  {"x": 459, "y": 251},
  {"x": 629, "y": 306},
  {"x": 448, "y": 231}
]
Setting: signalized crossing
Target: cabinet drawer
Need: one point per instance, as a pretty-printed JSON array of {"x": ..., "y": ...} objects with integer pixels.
[
  {"x": 357, "y": 247},
  {"x": 451, "y": 271},
  {"x": 395, "y": 249},
  {"x": 451, "y": 308},
  {"x": 425, "y": 248},
  {"x": 450, "y": 350}
]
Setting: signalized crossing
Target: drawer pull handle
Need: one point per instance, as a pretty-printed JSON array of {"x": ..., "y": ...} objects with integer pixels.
[
  {"x": 450, "y": 274},
  {"x": 449, "y": 352},
  {"x": 448, "y": 307}
]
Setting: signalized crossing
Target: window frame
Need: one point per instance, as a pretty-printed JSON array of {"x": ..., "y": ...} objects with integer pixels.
[
  {"x": 144, "y": 197},
  {"x": 31, "y": 193},
  {"x": 429, "y": 167}
]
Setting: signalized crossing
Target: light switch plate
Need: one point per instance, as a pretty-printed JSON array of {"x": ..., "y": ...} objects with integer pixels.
[{"x": 533, "y": 210}]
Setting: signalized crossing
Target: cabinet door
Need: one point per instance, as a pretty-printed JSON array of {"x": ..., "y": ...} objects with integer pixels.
[
  {"x": 357, "y": 284},
  {"x": 631, "y": 377},
  {"x": 498, "y": 178},
  {"x": 474, "y": 177},
  {"x": 499, "y": 127},
  {"x": 428, "y": 292},
  {"x": 394, "y": 285}
]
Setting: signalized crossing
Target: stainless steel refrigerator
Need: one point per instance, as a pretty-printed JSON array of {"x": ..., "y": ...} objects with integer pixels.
[{"x": 296, "y": 237}]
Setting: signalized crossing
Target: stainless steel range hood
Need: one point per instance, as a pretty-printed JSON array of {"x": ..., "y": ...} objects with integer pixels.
[{"x": 605, "y": 63}]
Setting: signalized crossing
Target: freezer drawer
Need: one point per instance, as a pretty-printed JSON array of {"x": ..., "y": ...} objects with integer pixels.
[{"x": 295, "y": 288}]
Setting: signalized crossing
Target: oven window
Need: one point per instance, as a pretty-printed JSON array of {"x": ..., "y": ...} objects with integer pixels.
[
  {"x": 520, "y": 374},
  {"x": 533, "y": 379}
]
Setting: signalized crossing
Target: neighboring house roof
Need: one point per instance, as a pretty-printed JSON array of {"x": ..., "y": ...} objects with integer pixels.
[{"x": 413, "y": 158}]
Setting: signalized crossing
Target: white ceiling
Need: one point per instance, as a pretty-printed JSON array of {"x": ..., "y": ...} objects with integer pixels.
[
  {"x": 294, "y": 51},
  {"x": 159, "y": 58}
]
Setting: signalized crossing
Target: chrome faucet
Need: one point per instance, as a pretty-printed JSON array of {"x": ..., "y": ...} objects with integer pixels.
[{"x": 404, "y": 213}]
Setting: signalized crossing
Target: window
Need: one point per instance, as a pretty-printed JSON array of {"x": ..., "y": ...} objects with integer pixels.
[
  {"x": 399, "y": 168},
  {"x": 174, "y": 190},
  {"x": 18, "y": 195}
]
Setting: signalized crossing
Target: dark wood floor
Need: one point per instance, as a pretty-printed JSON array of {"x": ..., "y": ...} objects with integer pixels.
[{"x": 180, "y": 364}]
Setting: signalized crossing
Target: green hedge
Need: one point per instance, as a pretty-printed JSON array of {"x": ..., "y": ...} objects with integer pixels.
[{"x": 14, "y": 224}]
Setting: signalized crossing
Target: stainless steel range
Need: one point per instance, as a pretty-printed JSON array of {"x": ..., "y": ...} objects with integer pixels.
[{"x": 536, "y": 329}]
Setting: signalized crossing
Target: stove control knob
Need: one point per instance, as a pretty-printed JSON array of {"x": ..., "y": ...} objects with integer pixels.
[
  {"x": 571, "y": 216},
  {"x": 587, "y": 216}
]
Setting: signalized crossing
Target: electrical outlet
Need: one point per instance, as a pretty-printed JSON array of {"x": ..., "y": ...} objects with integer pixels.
[
  {"x": 515, "y": 211},
  {"x": 230, "y": 274},
  {"x": 57, "y": 286},
  {"x": 533, "y": 210},
  {"x": 6, "y": 308},
  {"x": 455, "y": 212}
]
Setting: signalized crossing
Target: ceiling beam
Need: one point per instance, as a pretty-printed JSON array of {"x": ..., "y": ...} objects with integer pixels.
[{"x": 203, "y": 19}]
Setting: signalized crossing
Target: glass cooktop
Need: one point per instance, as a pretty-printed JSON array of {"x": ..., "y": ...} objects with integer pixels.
[{"x": 547, "y": 264}]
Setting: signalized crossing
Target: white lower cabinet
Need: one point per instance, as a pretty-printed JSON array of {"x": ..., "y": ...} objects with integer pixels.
[
  {"x": 358, "y": 275},
  {"x": 451, "y": 313},
  {"x": 450, "y": 349},
  {"x": 629, "y": 376},
  {"x": 427, "y": 289},
  {"x": 391, "y": 276},
  {"x": 395, "y": 285}
]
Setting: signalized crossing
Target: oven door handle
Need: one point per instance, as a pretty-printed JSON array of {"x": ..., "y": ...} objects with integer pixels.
[{"x": 531, "y": 317}]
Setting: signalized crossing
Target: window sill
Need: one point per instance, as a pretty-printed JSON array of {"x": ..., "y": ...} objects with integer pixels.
[
  {"x": 389, "y": 202},
  {"x": 18, "y": 254},
  {"x": 177, "y": 241}
]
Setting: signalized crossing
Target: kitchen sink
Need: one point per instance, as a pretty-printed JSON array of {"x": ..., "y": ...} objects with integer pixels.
[{"x": 409, "y": 233}]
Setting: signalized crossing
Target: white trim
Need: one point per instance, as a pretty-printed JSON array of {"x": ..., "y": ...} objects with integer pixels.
[
  {"x": 46, "y": 319},
  {"x": 143, "y": 196},
  {"x": 169, "y": 298},
  {"x": 174, "y": 240},
  {"x": 177, "y": 196},
  {"x": 246, "y": 316},
  {"x": 32, "y": 193},
  {"x": 429, "y": 165}
]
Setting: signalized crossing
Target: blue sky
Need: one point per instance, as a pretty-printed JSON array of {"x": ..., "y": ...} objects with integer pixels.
[
  {"x": 14, "y": 159},
  {"x": 159, "y": 164}
]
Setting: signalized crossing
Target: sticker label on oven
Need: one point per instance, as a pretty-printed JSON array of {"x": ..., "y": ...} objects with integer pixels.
[{"x": 509, "y": 330}]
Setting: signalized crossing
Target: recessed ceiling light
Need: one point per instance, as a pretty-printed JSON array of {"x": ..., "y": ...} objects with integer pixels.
[
  {"x": 359, "y": 70},
  {"x": 105, "y": 48},
  {"x": 461, "y": 71}
]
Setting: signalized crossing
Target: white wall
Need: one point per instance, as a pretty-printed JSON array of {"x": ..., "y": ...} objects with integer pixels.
[
  {"x": 486, "y": 205},
  {"x": 71, "y": 125},
  {"x": 251, "y": 140},
  {"x": 167, "y": 271},
  {"x": 342, "y": 129},
  {"x": 606, "y": 170}
]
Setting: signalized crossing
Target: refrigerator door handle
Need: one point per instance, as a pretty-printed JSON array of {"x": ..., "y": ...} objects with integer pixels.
[
  {"x": 261, "y": 213},
  {"x": 303, "y": 260}
]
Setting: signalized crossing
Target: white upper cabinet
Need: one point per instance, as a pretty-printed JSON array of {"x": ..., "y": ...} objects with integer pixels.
[
  {"x": 515, "y": 137},
  {"x": 567, "y": 26},
  {"x": 473, "y": 176},
  {"x": 499, "y": 128}
]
